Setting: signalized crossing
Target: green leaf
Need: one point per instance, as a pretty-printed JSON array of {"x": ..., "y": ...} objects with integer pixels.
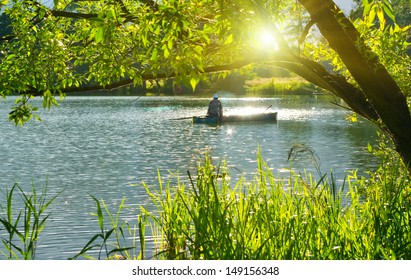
[
  {"x": 157, "y": 30},
  {"x": 193, "y": 82},
  {"x": 144, "y": 40},
  {"x": 381, "y": 18},
  {"x": 170, "y": 44},
  {"x": 229, "y": 39},
  {"x": 352, "y": 118},
  {"x": 99, "y": 213},
  {"x": 99, "y": 37},
  {"x": 154, "y": 55},
  {"x": 372, "y": 15},
  {"x": 108, "y": 234},
  {"x": 367, "y": 7},
  {"x": 120, "y": 250},
  {"x": 10, "y": 57},
  {"x": 166, "y": 52},
  {"x": 388, "y": 10},
  {"x": 87, "y": 247}
]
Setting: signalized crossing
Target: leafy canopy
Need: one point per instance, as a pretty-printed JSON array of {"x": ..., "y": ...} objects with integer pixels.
[{"x": 91, "y": 45}]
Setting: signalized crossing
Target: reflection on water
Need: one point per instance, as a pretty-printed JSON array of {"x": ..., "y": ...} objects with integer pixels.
[{"x": 107, "y": 146}]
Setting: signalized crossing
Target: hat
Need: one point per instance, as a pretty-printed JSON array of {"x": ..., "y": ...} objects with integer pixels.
[{"x": 216, "y": 96}]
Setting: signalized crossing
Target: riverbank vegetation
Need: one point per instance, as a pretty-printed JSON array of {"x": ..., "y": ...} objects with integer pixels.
[
  {"x": 256, "y": 81},
  {"x": 270, "y": 217},
  {"x": 285, "y": 218},
  {"x": 206, "y": 215},
  {"x": 280, "y": 86}
]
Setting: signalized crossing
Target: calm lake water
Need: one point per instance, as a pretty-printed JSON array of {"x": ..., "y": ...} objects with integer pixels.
[{"x": 107, "y": 146}]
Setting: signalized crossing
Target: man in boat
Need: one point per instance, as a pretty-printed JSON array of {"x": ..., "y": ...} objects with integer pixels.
[{"x": 215, "y": 109}]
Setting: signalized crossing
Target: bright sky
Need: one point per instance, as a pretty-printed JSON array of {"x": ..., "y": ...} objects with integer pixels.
[{"x": 344, "y": 5}]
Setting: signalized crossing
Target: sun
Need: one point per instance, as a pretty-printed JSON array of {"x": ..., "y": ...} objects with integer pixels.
[
  {"x": 267, "y": 37},
  {"x": 267, "y": 40}
]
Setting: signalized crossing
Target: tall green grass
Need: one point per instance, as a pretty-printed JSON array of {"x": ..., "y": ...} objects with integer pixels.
[
  {"x": 275, "y": 218},
  {"x": 111, "y": 241},
  {"x": 23, "y": 227},
  {"x": 206, "y": 216}
]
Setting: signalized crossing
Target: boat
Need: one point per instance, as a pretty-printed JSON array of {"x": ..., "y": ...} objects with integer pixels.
[{"x": 262, "y": 117}]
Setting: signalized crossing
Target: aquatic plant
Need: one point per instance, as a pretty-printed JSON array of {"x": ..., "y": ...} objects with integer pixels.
[
  {"x": 104, "y": 239},
  {"x": 275, "y": 218},
  {"x": 206, "y": 216},
  {"x": 23, "y": 228}
]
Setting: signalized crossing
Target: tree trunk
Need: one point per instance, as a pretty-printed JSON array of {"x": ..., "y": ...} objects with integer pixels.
[{"x": 378, "y": 87}]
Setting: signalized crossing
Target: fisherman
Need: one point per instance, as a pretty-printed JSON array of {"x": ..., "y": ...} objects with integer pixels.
[{"x": 215, "y": 109}]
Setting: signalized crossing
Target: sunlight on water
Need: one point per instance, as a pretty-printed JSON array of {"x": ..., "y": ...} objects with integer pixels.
[
  {"x": 304, "y": 114},
  {"x": 245, "y": 111}
]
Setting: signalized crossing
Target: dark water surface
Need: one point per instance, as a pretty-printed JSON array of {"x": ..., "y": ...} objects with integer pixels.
[{"x": 106, "y": 146}]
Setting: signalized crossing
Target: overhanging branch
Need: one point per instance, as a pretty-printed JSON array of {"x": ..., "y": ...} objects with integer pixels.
[
  {"x": 130, "y": 81},
  {"x": 57, "y": 13}
]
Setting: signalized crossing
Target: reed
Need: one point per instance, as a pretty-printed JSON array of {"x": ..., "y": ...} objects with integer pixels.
[
  {"x": 23, "y": 228},
  {"x": 209, "y": 217},
  {"x": 274, "y": 218},
  {"x": 110, "y": 242}
]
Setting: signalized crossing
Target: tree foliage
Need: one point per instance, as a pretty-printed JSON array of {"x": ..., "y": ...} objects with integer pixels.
[
  {"x": 398, "y": 11},
  {"x": 93, "y": 45}
]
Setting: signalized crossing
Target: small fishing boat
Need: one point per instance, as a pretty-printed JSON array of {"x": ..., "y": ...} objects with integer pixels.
[{"x": 261, "y": 117}]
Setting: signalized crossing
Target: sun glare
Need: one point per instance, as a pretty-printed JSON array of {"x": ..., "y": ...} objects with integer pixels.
[
  {"x": 267, "y": 40},
  {"x": 244, "y": 111},
  {"x": 267, "y": 37}
]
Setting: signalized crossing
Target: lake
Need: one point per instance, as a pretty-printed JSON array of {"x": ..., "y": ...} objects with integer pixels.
[{"x": 107, "y": 146}]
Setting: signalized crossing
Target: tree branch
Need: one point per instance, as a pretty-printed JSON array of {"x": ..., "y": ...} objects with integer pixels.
[
  {"x": 306, "y": 30},
  {"x": 57, "y": 13},
  {"x": 130, "y": 81}
]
